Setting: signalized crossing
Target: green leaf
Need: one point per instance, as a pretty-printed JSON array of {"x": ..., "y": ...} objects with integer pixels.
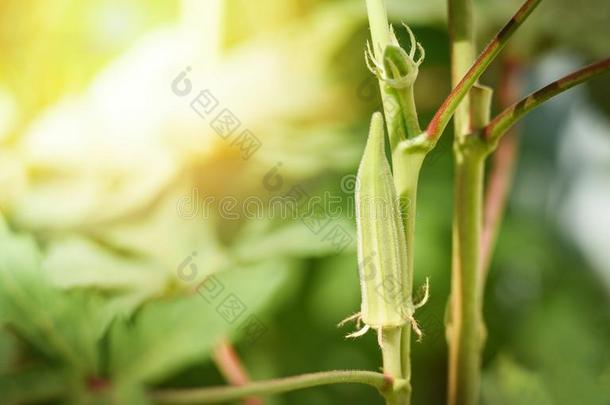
[
  {"x": 336, "y": 282},
  {"x": 168, "y": 335},
  {"x": 32, "y": 385},
  {"x": 146, "y": 235},
  {"x": 8, "y": 349},
  {"x": 263, "y": 239},
  {"x": 77, "y": 263},
  {"x": 132, "y": 394},
  {"x": 510, "y": 384},
  {"x": 63, "y": 326}
]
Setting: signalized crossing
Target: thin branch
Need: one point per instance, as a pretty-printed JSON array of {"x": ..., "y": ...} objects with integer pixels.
[
  {"x": 445, "y": 112},
  {"x": 223, "y": 394},
  {"x": 232, "y": 369},
  {"x": 502, "y": 171},
  {"x": 509, "y": 117},
  {"x": 496, "y": 194}
]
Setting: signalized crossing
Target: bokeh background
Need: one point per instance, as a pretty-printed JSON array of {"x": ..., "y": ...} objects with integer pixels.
[{"x": 106, "y": 167}]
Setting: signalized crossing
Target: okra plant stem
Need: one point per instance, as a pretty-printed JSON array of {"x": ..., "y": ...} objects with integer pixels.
[
  {"x": 214, "y": 395},
  {"x": 501, "y": 174},
  {"x": 391, "y": 350},
  {"x": 461, "y": 35},
  {"x": 465, "y": 330},
  {"x": 465, "y": 325},
  {"x": 407, "y": 165},
  {"x": 379, "y": 25}
]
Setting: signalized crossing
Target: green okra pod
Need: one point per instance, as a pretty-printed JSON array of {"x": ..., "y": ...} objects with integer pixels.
[{"x": 382, "y": 247}]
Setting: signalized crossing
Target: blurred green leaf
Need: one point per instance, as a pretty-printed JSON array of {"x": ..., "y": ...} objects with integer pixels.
[
  {"x": 168, "y": 335},
  {"x": 338, "y": 285},
  {"x": 31, "y": 385},
  {"x": 126, "y": 282},
  {"x": 8, "y": 347},
  {"x": 63, "y": 326},
  {"x": 509, "y": 384},
  {"x": 262, "y": 239}
]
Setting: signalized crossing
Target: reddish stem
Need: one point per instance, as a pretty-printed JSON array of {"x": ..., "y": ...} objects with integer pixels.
[
  {"x": 502, "y": 171},
  {"x": 507, "y": 118},
  {"x": 232, "y": 369}
]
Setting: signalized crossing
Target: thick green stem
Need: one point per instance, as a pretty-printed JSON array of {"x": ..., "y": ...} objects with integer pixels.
[
  {"x": 407, "y": 166},
  {"x": 465, "y": 329},
  {"x": 391, "y": 350},
  {"x": 212, "y": 395},
  {"x": 380, "y": 27},
  {"x": 405, "y": 357},
  {"x": 461, "y": 34}
]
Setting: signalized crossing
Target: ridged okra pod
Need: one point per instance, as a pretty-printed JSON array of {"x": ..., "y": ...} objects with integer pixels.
[{"x": 382, "y": 248}]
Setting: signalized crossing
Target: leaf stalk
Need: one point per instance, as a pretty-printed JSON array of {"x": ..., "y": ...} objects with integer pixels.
[{"x": 381, "y": 382}]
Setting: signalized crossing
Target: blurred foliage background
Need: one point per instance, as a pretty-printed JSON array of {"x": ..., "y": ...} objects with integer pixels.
[{"x": 104, "y": 172}]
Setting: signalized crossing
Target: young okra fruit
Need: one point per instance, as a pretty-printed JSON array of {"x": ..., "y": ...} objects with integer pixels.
[{"x": 382, "y": 248}]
